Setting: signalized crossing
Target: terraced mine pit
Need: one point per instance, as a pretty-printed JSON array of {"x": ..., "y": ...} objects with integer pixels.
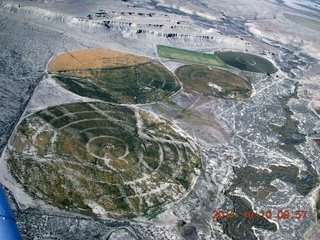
[
  {"x": 113, "y": 76},
  {"x": 246, "y": 61},
  {"x": 214, "y": 82},
  {"x": 103, "y": 159}
]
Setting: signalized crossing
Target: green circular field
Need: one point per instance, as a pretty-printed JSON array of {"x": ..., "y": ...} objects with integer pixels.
[
  {"x": 213, "y": 82},
  {"x": 246, "y": 61},
  {"x": 113, "y": 76},
  {"x": 103, "y": 159}
]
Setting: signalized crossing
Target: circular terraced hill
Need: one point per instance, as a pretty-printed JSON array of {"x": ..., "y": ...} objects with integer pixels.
[
  {"x": 246, "y": 61},
  {"x": 113, "y": 76},
  {"x": 103, "y": 159},
  {"x": 215, "y": 82}
]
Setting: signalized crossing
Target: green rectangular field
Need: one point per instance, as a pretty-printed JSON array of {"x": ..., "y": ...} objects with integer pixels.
[
  {"x": 189, "y": 56},
  {"x": 306, "y": 22}
]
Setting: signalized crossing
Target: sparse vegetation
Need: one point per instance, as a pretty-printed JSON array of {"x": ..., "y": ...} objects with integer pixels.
[
  {"x": 240, "y": 227},
  {"x": 180, "y": 223},
  {"x": 258, "y": 185},
  {"x": 290, "y": 136},
  {"x": 318, "y": 206},
  {"x": 112, "y": 156},
  {"x": 134, "y": 80},
  {"x": 213, "y": 82}
]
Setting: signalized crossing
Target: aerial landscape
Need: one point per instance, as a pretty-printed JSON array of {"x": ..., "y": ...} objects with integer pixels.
[{"x": 158, "y": 119}]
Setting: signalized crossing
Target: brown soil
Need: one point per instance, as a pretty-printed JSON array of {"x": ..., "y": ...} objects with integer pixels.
[
  {"x": 317, "y": 140},
  {"x": 19, "y": 144},
  {"x": 93, "y": 59}
]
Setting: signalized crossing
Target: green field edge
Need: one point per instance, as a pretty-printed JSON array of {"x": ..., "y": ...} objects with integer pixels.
[
  {"x": 204, "y": 58},
  {"x": 304, "y": 22}
]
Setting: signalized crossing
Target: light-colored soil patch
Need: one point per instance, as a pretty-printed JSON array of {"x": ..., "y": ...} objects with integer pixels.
[
  {"x": 113, "y": 76},
  {"x": 93, "y": 59}
]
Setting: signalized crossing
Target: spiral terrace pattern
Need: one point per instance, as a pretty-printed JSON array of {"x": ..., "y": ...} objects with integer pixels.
[
  {"x": 248, "y": 62},
  {"x": 103, "y": 158},
  {"x": 212, "y": 81}
]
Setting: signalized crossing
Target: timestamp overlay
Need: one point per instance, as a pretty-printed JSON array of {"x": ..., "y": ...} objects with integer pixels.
[
  {"x": 268, "y": 214},
  {"x": 274, "y": 219}
]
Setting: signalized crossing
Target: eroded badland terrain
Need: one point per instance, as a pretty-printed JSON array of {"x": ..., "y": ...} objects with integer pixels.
[{"x": 153, "y": 119}]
